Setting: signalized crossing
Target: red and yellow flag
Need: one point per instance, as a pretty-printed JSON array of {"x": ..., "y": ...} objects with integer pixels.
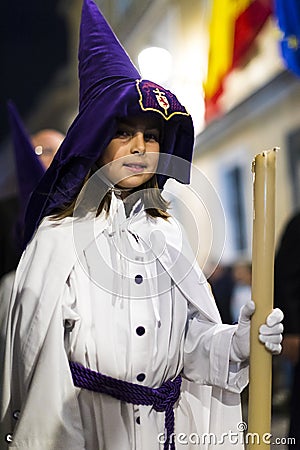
[{"x": 233, "y": 28}]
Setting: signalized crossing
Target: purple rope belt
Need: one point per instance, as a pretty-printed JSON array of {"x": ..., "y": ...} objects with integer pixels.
[{"x": 162, "y": 399}]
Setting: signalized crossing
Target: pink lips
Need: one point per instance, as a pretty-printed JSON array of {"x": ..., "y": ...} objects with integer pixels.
[{"x": 136, "y": 168}]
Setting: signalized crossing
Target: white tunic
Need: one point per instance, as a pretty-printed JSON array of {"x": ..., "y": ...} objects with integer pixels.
[{"x": 126, "y": 300}]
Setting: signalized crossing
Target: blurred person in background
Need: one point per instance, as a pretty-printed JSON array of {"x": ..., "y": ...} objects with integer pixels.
[
  {"x": 241, "y": 292},
  {"x": 287, "y": 297},
  {"x": 46, "y": 142},
  {"x": 221, "y": 282},
  {"x": 33, "y": 155}
]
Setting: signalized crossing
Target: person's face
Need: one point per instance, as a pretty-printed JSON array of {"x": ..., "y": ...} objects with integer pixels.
[
  {"x": 46, "y": 144},
  {"x": 131, "y": 157}
]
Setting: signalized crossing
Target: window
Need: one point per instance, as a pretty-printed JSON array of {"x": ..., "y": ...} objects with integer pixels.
[
  {"x": 235, "y": 207},
  {"x": 122, "y": 6}
]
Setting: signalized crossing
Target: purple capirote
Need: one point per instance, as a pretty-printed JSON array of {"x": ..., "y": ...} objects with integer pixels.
[
  {"x": 110, "y": 89},
  {"x": 29, "y": 169}
]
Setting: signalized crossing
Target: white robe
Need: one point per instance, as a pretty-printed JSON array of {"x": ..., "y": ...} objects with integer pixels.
[{"x": 82, "y": 273}]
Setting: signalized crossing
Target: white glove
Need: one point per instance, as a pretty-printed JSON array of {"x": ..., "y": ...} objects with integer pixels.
[{"x": 270, "y": 333}]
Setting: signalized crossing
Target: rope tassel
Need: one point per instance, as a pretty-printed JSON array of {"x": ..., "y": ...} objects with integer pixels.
[{"x": 162, "y": 399}]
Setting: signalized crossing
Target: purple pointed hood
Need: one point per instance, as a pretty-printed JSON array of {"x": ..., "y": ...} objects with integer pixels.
[
  {"x": 110, "y": 88},
  {"x": 29, "y": 169},
  {"x": 102, "y": 59}
]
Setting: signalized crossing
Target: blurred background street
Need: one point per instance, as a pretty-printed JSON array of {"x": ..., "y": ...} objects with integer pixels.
[{"x": 235, "y": 65}]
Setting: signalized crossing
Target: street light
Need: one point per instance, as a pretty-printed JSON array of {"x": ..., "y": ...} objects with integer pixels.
[{"x": 155, "y": 64}]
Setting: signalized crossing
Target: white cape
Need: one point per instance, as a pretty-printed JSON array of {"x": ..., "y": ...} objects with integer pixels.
[{"x": 39, "y": 403}]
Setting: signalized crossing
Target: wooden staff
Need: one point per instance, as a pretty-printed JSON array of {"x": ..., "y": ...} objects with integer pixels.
[{"x": 260, "y": 385}]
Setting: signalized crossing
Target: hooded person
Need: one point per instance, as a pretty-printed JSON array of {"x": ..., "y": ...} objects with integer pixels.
[
  {"x": 29, "y": 172},
  {"x": 110, "y": 88},
  {"x": 32, "y": 155},
  {"x": 110, "y": 311},
  {"x": 29, "y": 169}
]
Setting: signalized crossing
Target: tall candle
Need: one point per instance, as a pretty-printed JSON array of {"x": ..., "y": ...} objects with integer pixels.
[{"x": 263, "y": 247}]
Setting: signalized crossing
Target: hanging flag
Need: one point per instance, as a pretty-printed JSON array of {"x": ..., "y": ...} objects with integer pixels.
[
  {"x": 233, "y": 29},
  {"x": 287, "y": 13}
]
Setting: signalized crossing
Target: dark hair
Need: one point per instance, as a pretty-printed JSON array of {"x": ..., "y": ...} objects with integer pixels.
[{"x": 154, "y": 203}]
